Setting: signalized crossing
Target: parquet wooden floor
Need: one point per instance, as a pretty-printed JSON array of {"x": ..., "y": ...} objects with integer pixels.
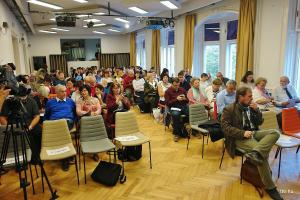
[{"x": 177, "y": 174}]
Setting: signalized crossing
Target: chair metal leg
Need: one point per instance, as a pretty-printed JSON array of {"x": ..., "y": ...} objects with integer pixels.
[
  {"x": 189, "y": 137},
  {"x": 76, "y": 169},
  {"x": 33, "y": 190},
  {"x": 241, "y": 178},
  {"x": 84, "y": 168},
  {"x": 277, "y": 151},
  {"x": 123, "y": 152},
  {"x": 43, "y": 187},
  {"x": 298, "y": 149},
  {"x": 79, "y": 152},
  {"x": 202, "y": 145},
  {"x": 207, "y": 138},
  {"x": 36, "y": 172},
  {"x": 279, "y": 162},
  {"x": 150, "y": 155},
  {"x": 222, "y": 157}
]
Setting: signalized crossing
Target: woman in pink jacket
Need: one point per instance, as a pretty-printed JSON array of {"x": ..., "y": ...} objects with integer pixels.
[{"x": 195, "y": 95}]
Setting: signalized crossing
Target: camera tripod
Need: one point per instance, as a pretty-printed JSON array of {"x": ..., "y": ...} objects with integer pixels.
[{"x": 17, "y": 128}]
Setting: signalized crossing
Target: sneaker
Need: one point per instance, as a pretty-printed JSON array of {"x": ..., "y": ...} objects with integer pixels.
[
  {"x": 176, "y": 138},
  {"x": 274, "y": 194}
]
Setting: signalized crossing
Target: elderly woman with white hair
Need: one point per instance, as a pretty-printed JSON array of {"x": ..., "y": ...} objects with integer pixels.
[{"x": 42, "y": 97}]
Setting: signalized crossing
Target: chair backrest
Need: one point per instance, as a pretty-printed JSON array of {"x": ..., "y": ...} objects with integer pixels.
[
  {"x": 92, "y": 128},
  {"x": 270, "y": 120},
  {"x": 126, "y": 123},
  {"x": 197, "y": 114},
  {"x": 290, "y": 119},
  {"x": 55, "y": 133}
]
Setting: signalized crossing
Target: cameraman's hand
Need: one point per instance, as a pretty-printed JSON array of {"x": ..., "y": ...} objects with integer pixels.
[
  {"x": 4, "y": 93},
  {"x": 248, "y": 134}
]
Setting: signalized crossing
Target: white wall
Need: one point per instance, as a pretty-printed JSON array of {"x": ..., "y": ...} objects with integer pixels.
[
  {"x": 44, "y": 45},
  {"x": 270, "y": 39},
  {"x": 6, "y": 44}
]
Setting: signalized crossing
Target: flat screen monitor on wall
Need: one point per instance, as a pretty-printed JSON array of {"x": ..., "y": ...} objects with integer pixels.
[
  {"x": 39, "y": 62},
  {"x": 80, "y": 49}
]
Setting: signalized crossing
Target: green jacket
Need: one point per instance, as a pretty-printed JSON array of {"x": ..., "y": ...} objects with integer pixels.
[{"x": 232, "y": 125}]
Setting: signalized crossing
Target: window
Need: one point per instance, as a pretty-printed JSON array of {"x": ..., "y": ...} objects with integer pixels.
[
  {"x": 215, "y": 46},
  {"x": 140, "y": 50},
  {"x": 167, "y": 51}
]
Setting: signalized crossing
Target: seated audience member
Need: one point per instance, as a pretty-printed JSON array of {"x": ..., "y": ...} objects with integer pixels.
[
  {"x": 226, "y": 96},
  {"x": 31, "y": 118},
  {"x": 98, "y": 76},
  {"x": 150, "y": 91},
  {"x": 115, "y": 101},
  {"x": 60, "y": 79},
  {"x": 183, "y": 82},
  {"x": 99, "y": 94},
  {"x": 87, "y": 105},
  {"x": 61, "y": 108},
  {"x": 106, "y": 79},
  {"x": 248, "y": 80},
  {"x": 176, "y": 100},
  {"x": 90, "y": 80},
  {"x": 240, "y": 122},
  {"x": 162, "y": 87},
  {"x": 138, "y": 86},
  {"x": 164, "y": 71},
  {"x": 223, "y": 79},
  {"x": 127, "y": 85},
  {"x": 42, "y": 97},
  {"x": 204, "y": 83},
  {"x": 187, "y": 76},
  {"x": 260, "y": 95},
  {"x": 212, "y": 91},
  {"x": 119, "y": 76},
  {"x": 285, "y": 95},
  {"x": 195, "y": 95},
  {"x": 70, "y": 86}
]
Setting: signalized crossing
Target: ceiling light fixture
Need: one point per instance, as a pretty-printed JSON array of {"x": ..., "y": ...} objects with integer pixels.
[
  {"x": 43, "y": 31},
  {"x": 60, "y": 29},
  {"x": 92, "y": 20},
  {"x": 121, "y": 20},
  {"x": 99, "y": 13},
  {"x": 138, "y": 10},
  {"x": 81, "y": 1},
  {"x": 48, "y": 5},
  {"x": 114, "y": 30},
  {"x": 95, "y": 25},
  {"x": 127, "y": 26},
  {"x": 169, "y": 4},
  {"x": 80, "y": 16},
  {"x": 99, "y": 32}
]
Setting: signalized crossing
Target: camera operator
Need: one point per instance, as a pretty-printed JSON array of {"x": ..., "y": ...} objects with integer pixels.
[
  {"x": 3, "y": 94},
  {"x": 31, "y": 116}
]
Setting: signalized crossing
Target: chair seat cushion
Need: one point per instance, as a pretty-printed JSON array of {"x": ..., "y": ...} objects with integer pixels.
[
  {"x": 97, "y": 146},
  {"x": 141, "y": 139},
  {"x": 286, "y": 141},
  {"x": 294, "y": 134},
  {"x": 57, "y": 152},
  {"x": 201, "y": 130}
]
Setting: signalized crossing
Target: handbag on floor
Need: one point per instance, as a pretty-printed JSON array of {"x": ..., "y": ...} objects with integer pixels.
[
  {"x": 108, "y": 173},
  {"x": 214, "y": 129},
  {"x": 132, "y": 153},
  {"x": 249, "y": 173}
]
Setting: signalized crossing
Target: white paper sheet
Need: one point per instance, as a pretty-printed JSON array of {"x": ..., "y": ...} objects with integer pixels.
[
  {"x": 54, "y": 152},
  {"x": 127, "y": 138}
]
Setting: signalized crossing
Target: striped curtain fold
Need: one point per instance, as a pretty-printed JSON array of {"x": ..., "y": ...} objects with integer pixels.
[
  {"x": 58, "y": 62},
  {"x": 155, "y": 51},
  {"x": 189, "y": 28},
  {"x": 133, "y": 49}
]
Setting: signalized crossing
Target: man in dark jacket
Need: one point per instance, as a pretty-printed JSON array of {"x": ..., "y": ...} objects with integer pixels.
[
  {"x": 240, "y": 122},
  {"x": 176, "y": 101}
]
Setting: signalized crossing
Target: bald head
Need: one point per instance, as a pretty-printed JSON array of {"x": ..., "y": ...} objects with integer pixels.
[{"x": 61, "y": 91}]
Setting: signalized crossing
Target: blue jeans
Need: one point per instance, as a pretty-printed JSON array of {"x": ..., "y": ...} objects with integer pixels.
[{"x": 178, "y": 120}]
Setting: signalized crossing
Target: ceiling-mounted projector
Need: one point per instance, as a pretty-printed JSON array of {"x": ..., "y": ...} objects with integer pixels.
[
  {"x": 66, "y": 20},
  {"x": 90, "y": 24}
]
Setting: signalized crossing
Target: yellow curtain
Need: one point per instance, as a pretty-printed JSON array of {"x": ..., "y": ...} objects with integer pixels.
[
  {"x": 155, "y": 51},
  {"x": 189, "y": 28},
  {"x": 245, "y": 37},
  {"x": 132, "y": 50}
]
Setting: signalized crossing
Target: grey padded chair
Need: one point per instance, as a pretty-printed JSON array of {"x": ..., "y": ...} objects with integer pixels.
[
  {"x": 197, "y": 116},
  {"x": 126, "y": 125},
  {"x": 93, "y": 137}
]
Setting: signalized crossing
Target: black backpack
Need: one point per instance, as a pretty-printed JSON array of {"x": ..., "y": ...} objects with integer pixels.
[
  {"x": 108, "y": 173},
  {"x": 132, "y": 153},
  {"x": 214, "y": 129}
]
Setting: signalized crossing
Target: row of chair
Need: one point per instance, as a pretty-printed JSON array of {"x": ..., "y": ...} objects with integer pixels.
[
  {"x": 57, "y": 143},
  {"x": 289, "y": 138}
]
